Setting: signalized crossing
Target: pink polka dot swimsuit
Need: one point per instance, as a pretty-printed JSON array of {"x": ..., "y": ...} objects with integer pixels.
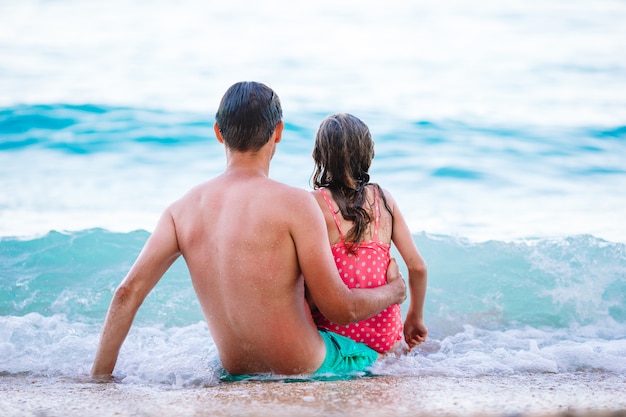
[{"x": 367, "y": 268}]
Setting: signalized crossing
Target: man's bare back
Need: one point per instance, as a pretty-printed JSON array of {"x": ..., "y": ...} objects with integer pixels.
[
  {"x": 250, "y": 244},
  {"x": 250, "y": 257}
]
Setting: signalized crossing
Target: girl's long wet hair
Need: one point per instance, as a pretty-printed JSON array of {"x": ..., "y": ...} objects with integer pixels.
[{"x": 343, "y": 153}]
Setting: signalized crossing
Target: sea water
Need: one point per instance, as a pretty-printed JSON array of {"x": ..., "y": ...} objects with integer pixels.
[
  {"x": 500, "y": 130},
  {"x": 552, "y": 306}
]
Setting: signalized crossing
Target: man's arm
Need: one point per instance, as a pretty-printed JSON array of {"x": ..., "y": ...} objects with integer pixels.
[
  {"x": 157, "y": 255},
  {"x": 336, "y": 301}
]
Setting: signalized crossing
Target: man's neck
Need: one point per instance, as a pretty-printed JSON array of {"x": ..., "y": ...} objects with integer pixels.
[{"x": 248, "y": 164}]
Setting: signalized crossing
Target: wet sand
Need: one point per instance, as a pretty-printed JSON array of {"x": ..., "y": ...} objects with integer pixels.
[{"x": 598, "y": 395}]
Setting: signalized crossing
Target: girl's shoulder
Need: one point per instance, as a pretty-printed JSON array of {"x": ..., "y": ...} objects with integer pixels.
[{"x": 382, "y": 194}]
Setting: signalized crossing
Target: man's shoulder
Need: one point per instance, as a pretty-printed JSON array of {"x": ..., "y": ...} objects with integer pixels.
[
  {"x": 291, "y": 197},
  {"x": 192, "y": 197},
  {"x": 287, "y": 190},
  {"x": 194, "y": 191}
]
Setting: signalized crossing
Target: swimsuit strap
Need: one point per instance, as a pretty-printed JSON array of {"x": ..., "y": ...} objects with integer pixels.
[
  {"x": 332, "y": 210},
  {"x": 376, "y": 214}
]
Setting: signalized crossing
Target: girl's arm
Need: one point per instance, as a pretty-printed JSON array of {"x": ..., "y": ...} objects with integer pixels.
[{"x": 415, "y": 331}]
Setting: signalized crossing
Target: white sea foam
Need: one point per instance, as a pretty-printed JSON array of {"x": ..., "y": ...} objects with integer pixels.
[
  {"x": 186, "y": 356},
  {"x": 494, "y": 122}
]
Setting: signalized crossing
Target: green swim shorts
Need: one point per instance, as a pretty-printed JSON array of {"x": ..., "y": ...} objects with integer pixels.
[{"x": 345, "y": 358}]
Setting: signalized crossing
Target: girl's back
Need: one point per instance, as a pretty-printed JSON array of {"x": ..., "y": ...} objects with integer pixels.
[
  {"x": 362, "y": 266},
  {"x": 363, "y": 215}
]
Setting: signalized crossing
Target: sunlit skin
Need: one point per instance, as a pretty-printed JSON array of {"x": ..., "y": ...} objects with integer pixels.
[
  {"x": 365, "y": 212},
  {"x": 396, "y": 229},
  {"x": 250, "y": 244}
]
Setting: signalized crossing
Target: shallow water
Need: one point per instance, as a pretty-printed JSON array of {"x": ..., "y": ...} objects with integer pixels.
[
  {"x": 500, "y": 129},
  {"x": 497, "y": 308}
]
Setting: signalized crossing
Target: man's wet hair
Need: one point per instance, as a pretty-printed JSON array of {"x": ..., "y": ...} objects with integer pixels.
[{"x": 247, "y": 115}]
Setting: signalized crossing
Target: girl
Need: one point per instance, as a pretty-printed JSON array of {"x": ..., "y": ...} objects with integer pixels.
[{"x": 362, "y": 220}]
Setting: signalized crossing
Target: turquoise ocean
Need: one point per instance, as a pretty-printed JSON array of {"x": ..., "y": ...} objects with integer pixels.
[{"x": 500, "y": 129}]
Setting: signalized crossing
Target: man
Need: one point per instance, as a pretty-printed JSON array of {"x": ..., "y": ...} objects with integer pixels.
[{"x": 251, "y": 244}]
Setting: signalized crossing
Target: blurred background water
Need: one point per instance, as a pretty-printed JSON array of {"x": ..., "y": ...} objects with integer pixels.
[
  {"x": 492, "y": 120},
  {"x": 500, "y": 129}
]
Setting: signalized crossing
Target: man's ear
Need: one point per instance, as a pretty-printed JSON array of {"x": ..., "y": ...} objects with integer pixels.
[
  {"x": 218, "y": 133},
  {"x": 278, "y": 132}
]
